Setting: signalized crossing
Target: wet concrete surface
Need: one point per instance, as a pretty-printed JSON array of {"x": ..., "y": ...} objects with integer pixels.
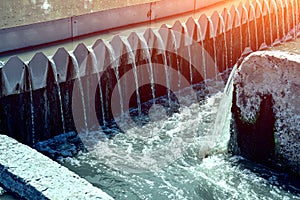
[
  {"x": 22, "y": 12},
  {"x": 89, "y": 40}
]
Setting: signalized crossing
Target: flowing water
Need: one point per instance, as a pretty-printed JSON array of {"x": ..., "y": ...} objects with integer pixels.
[
  {"x": 263, "y": 23},
  {"x": 59, "y": 98},
  {"x": 183, "y": 156},
  {"x": 76, "y": 66},
  {"x": 255, "y": 25}
]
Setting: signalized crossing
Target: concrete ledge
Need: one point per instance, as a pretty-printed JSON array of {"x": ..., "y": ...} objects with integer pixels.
[
  {"x": 31, "y": 175},
  {"x": 161, "y": 9},
  {"x": 35, "y": 34},
  {"x": 56, "y": 30}
]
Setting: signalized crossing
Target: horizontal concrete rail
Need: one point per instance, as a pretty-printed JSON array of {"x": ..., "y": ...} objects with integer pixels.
[
  {"x": 57, "y": 30},
  {"x": 29, "y": 90},
  {"x": 31, "y": 175}
]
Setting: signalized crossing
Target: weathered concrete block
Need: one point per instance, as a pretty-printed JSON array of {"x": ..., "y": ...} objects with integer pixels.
[
  {"x": 31, "y": 175},
  {"x": 266, "y": 109}
]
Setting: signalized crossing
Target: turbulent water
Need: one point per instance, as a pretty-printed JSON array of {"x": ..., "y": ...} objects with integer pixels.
[
  {"x": 179, "y": 157},
  {"x": 182, "y": 156}
]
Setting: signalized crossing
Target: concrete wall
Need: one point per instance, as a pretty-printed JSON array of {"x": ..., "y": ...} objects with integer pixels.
[
  {"x": 37, "y": 96},
  {"x": 266, "y": 109},
  {"x": 56, "y": 30}
]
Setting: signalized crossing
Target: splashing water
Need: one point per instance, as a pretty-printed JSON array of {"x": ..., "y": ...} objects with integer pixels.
[{"x": 183, "y": 156}]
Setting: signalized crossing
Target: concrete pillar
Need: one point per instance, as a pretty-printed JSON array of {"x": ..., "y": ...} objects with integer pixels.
[
  {"x": 45, "y": 98},
  {"x": 84, "y": 89},
  {"x": 66, "y": 75},
  {"x": 15, "y": 109},
  {"x": 265, "y": 124}
]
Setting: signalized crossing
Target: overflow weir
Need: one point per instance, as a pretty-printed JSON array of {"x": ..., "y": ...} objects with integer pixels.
[{"x": 89, "y": 87}]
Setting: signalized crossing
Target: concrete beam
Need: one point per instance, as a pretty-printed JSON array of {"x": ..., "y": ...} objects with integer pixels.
[
  {"x": 70, "y": 27},
  {"x": 31, "y": 175},
  {"x": 35, "y": 34}
]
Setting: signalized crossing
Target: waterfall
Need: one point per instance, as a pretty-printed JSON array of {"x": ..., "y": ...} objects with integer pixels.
[
  {"x": 59, "y": 96},
  {"x": 135, "y": 74},
  {"x": 32, "y": 112},
  {"x": 219, "y": 134},
  {"x": 277, "y": 20},
  {"x": 187, "y": 37},
  {"x": 225, "y": 39},
  {"x": 113, "y": 59},
  {"x": 166, "y": 68},
  {"x": 75, "y": 63},
  {"x": 177, "y": 60},
  {"x": 94, "y": 60},
  {"x": 263, "y": 22},
  {"x": 255, "y": 25},
  {"x": 297, "y": 15},
  {"x": 271, "y": 26},
  {"x": 150, "y": 68},
  {"x": 214, "y": 47},
  {"x": 293, "y": 19},
  {"x": 288, "y": 18},
  {"x": 283, "y": 19},
  {"x": 203, "y": 53}
]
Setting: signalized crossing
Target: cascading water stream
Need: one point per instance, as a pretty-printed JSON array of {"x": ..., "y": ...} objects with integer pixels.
[
  {"x": 76, "y": 66},
  {"x": 177, "y": 59},
  {"x": 263, "y": 22},
  {"x": 288, "y": 12},
  {"x": 297, "y": 15},
  {"x": 187, "y": 43},
  {"x": 271, "y": 24},
  {"x": 221, "y": 130},
  {"x": 151, "y": 72},
  {"x": 32, "y": 112},
  {"x": 293, "y": 19},
  {"x": 283, "y": 19},
  {"x": 113, "y": 58},
  {"x": 225, "y": 39},
  {"x": 135, "y": 74},
  {"x": 277, "y": 20},
  {"x": 165, "y": 63},
  {"x": 59, "y": 95},
  {"x": 214, "y": 47},
  {"x": 94, "y": 60},
  {"x": 255, "y": 25},
  {"x": 203, "y": 52}
]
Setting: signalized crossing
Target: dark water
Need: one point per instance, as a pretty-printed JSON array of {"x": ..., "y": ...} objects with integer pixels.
[
  {"x": 7, "y": 196},
  {"x": 183, "y": 156},
  {"x": 180, "y": 157}
]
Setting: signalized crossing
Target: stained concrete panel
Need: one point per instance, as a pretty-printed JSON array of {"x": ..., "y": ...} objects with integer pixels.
[
  {"x": 109, "y": 19},
  {"x": 34, "y": 34}
]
